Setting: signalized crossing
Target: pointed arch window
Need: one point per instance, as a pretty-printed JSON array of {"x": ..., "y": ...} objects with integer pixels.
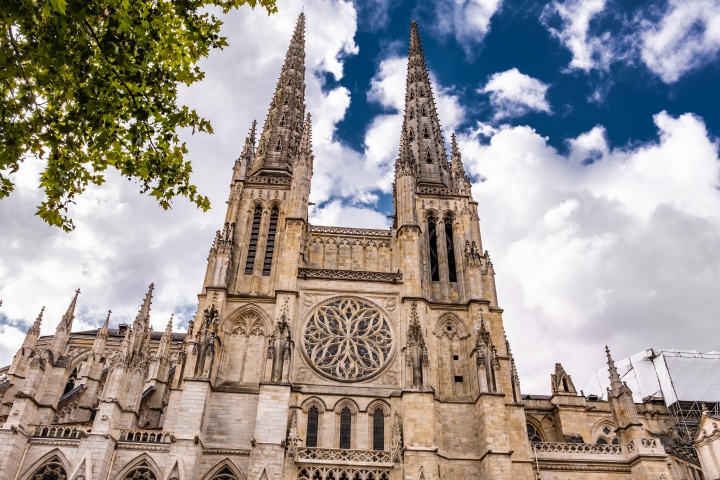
[
  {"x": 270, "y": 245},
  {"x": 412, "y": 113},
  {"x": 450, "y": 247},
  {"x": 345, "y": 427},
  {"x": 426, "y": 132},
  {"x": 252, "y": 244},
  {"x": 278, "y": 145},
  {"x": 378, "y": 429},
  {"x": 533, "y": 434},
  {"x": 285, "y": 100},
  {"x": 224, "y": 474},
  {"x": 411, "y": 134},
  {"x": 412, "y": 94},
  {"x": 422, "y": 92},
  {"x": 423, "y": 111},
  {"x": 52, "y": 470},
  {"x": 282, "y": 121},
  {"x": 432, "y": 239},
  {"x": 428, "y": 156},
  {"x": 70, "y": 384},
  {"x": 313, "y": 420},
  {"x": 141, "y": 472}
]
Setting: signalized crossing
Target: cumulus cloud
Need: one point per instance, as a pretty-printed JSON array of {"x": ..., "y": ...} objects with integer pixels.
[
  {"x": 514, "y": 94},
  {"x": 686, "y": 37},
  {"x": 600, "y": 245},
  {"x": 671, "y": 41},
  {"x": 468, "y": 21}
]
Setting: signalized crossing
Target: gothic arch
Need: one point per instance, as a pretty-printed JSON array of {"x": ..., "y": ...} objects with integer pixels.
[
  {"x": 604, "y": 429},
  {"x": 226, "y": 463},
  {"x": 237, "y": 315},
  {"x": 138, "y": 462},
  {"x": 431, "y": 212},
  {"x": 378, "y": 403},
  {"x": 54, "y": 455},
  {"x": 450, "y": 320},
  {"x": 453, "y": 354},
  {"x": 534, "y": 430},
  {"x": 346, "y": 402},
  {"x": 242, "y": 337},
  {"x": 313, "y": 402}
]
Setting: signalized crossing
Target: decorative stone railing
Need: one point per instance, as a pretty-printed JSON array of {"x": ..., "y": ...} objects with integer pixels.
[
  {"x": 343, "y": 456},
  {"x": 548, "y": 447},
  {"x": 68, "y": 432},
  {"x": 145, "y": 436},
  {"x": 391, "y": 277},
  {"x": 364, "y": 232}
]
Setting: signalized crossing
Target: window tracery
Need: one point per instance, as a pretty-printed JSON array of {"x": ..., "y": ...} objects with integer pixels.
[
  {"x": 52, "y": 470},
  {"x": 348, "y": 339},
  {"x": 141, "y": 472},
  {"x": 224, "y": 474},
  {"x": 70, "y": 384},
  {"x": 533, "y": 434}
]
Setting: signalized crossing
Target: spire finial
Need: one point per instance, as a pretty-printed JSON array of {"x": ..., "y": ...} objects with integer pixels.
[
  {"x": 615, "y": 382},
  {"x": 306, "y": 139},
  {"x": 38, "y": 322},
  {"x": 144, "y": 312},
  {"x": 67, "y": 319}
]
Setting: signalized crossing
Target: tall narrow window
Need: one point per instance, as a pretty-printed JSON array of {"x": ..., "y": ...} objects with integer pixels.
[
  {"x": 345, "y": 423},
  {"x": 426, "y": 133},
  {"x": 452, "y": 272},
  {"x": 252, "y": 245},
  {"x": 432, "y": 237},
  {"x": 270, "y": 246},
  {"x": 71, "y": 381},
  {"x": 312, "y": 427},
  {"x": 378, "y": 430}
]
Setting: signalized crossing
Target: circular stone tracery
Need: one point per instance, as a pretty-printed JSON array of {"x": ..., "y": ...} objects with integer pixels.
[{"x": 348, "y": 339}]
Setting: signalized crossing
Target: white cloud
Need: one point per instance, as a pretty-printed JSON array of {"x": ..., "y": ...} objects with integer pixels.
[
  {"x": 335, "y": 213},
  {"x": 589, "y": 50},
  {"x": 686, "y": 37},
  {"x": 600, "y": 246},
  {"x": 466, "y": 20},
  {"x": 514, "y": 94}
]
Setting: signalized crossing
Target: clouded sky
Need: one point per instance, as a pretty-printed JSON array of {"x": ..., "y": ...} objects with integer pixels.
[{"x": 589, "y": 128}]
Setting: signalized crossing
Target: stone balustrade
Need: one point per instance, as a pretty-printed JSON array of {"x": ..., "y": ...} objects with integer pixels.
[
  {"x": 343, "y": 456},
  {"x": 69, "y": 432},
  {"x": 145, "y": 436},
  {"x": 583, "y": 448}
]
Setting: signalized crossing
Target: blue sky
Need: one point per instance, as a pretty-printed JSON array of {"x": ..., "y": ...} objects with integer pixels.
[{"x": 589, "y": 128}]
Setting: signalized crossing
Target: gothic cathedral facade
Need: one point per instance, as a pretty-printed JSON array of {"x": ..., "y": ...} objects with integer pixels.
[{"x": 317, "y": 353}]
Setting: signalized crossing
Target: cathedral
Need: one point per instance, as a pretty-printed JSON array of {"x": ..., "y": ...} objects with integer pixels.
[{"x": 324, "y": 353}]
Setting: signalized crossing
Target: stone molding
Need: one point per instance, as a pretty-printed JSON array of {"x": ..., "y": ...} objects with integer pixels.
[
  {"x": 364, "y": 232},
  {"x": 341, "y": 456},
  {"x": 361, "y": 275}
]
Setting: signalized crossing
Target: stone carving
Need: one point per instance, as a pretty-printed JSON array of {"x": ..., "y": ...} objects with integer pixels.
[
  {"x": 473, "y": 257},
  {"x": 350, "y": 275},
  {"x": 549, "y": 447},
  {"x": 343, "y": 455},
  {"x": 332, "y": 473},
  {"x": 440, "y": 191},
  {"x": 366, "y": 232},
  {"x": 270, "y": 180},
  {"x": 348, "y": 339},
  {"x": 248, "y": 325},
  {"x": 292, "y": 438},
  {"x": 396, "y": 447}
]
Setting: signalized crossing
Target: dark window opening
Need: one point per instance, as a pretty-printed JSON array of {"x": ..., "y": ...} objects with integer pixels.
[
  {"x": 412, "y": 113},
  {"x": 533, "y": 434},
  {"x": 428, "y": 157},
  {"x": 70, "y": 381},
  {"x": 432, "y": 236},
  {"x": 345, "y": 424},
  {"x": 312, "y": 427},
  {"x": 270, "y": 246},
  {"x": 455, "y": 357},
  {"x": 601, "y": 441},
  {"x": 452, "y": 271},
  {"x": 282, "y": 121},
  {"x": 565, "y": 385},
  {"x": 252, "y": 245},
  {"x": 378, "y": 430},
  {"x": 458, "y": 379},
  {"x": 278, "y": 146},
  {"x": 426, "y": 133},
  {"x": 424, "y": 111},
  {"x": 411, "y": 135}
]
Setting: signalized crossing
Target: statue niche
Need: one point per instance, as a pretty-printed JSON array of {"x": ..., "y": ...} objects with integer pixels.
[{"x": 243, "y": 346}]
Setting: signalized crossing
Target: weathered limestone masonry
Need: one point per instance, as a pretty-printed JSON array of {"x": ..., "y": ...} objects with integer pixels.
[{"x": 323, "y": 353}]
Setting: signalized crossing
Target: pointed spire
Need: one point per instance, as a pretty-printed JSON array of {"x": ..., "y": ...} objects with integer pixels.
[
  {"x": 305, "y": 154},
  {"x": 166, "y": 340},
  {"x": 144, "y": 312},
  {"x": 67, "y": 319},
  {"x": 102, "y": 335},
  {"x": 247, "y": 157},
  {"x": 141, "y": 326},
  {"x": 34, "y": 331},
  {"x": 460, "y": 178},
  {"x": 615, "y": 382},
  {"x": 280, "y": 138},
  {"x": 421, "y": 124}
]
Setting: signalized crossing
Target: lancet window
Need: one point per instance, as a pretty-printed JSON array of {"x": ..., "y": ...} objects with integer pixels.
[
  {"x": 345, "y": 427},
  {"x": 142, "y": 472},
  {"x": 533, "y": 434},
  {"x": 449, "y": 245},
  {"x": 378, "y": 429},
  {"x": 411, "y": 134},
  {"x": 252, "y": 245},
  {"x": 432, "y": 238},
  {"x": 70, "y": 381},
  {"x": 224, "y": 474},
  {"x": 313, "y": 420},
  {"x": 412, "y": 113},
  {"x": 426, "y": 133},
  {"x": 270, "y": 246},
  {"x": 52, "y": 470}
]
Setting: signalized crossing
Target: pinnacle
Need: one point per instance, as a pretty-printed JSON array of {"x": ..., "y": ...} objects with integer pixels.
[
  {"x": 106, "y": 324},
  {"x": 306, "y": 139},
  {"x": 38, "y": 321},
  {"x": 615, "y": 382},
  {"x": 145, "y": 308},
  {"x": 168, "y": 329},
  {"x": 70, "y": 314}
]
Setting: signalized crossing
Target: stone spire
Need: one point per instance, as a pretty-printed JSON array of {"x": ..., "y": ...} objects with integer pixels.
[
  {"x": 305, "y": 152},
  {"x": 615, "y": 382},
  {"x": 283, "y": 125},
  {"x": 421, "y": 126},
  {"x": 62, "y": 333},
  {"x": 457, "y": 170},
  {"x": 247, "y": 157},
  {"x": 101, "y": 338},
  {"x": 33, "y": 332},
  {"x": 163, "y": 350},
  {"x": 302, "y": 174},
  {"x": 141, "y": 325}
]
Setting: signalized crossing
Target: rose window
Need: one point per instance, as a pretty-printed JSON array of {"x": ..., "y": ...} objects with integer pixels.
[{"x": 348, "y": 339}]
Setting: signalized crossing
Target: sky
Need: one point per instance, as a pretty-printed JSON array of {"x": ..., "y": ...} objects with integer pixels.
[{"x": 589, "y": 129}]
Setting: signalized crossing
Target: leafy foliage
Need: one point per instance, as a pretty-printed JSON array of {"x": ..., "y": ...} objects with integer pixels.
[{"x": 92, "y": 84}]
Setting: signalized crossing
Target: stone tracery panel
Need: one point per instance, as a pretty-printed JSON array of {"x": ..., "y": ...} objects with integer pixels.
[{"x": 348, "y": 339}]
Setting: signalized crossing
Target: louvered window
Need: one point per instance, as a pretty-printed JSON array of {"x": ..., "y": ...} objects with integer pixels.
[
  {"x": 312, "y": 427},
  {"x": 252, "y": 245},
  {"x": 345, "y": 426},
  {"x": 432, "y": 237},
  {"x": 270, "y": 246},
  {"x": 378, "y": 430},
  {"x": 450, "y": 246}
]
